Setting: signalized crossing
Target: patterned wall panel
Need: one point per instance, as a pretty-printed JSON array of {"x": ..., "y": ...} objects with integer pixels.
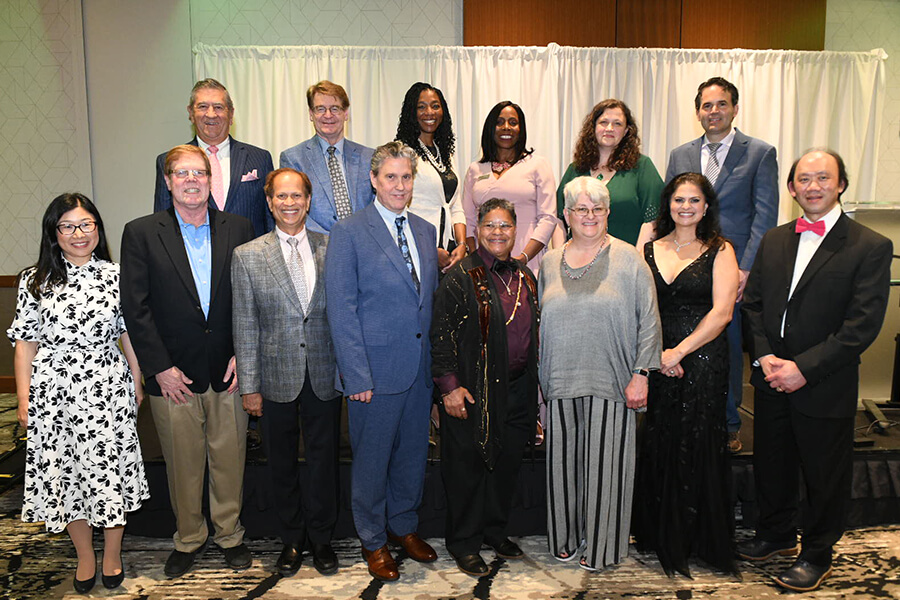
[
  {"x": 328, "y": 22},
  {"x": 854, "y": 25},
  {"x": 44, "y": 148}
]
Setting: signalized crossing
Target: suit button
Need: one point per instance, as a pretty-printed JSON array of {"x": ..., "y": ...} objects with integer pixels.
[
  {"x": 306, "y": 320},
  {"x": 303, "y": 345},
  {"x": 418, "y": 335},
  {"x": 207, "y": 331}
]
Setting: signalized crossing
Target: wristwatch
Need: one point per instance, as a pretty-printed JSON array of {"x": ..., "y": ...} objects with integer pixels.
[{"x": 643, "y": 372}]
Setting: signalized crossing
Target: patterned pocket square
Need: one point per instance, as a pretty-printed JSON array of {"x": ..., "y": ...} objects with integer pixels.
[{"x": 250, "y": 176}]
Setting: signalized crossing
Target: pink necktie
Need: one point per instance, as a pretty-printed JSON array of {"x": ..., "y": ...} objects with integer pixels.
[{"x": 218, "y": 191}]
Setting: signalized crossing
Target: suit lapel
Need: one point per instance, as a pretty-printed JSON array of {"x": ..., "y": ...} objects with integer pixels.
[
  {"x": 315, "y": 158},
  {"x": 238, "y": 161},
  {"x": 387, "y": 243},
  {"x": 275, "y": 259},
  {"x": 423, "y": 240},
  {"x": 317, "y": 242},
  {"x": 218, "y": 235},
  {"x": 172, "y": 242},
  {"x": 832, "y": 243},
  {"x": 351, "y": 166},
  {"x": 735, "y": 155},
  {"x": 695, "y": 155}
]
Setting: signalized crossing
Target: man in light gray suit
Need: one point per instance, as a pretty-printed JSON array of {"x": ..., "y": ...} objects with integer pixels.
[
  {"x": 744, "y": 174},
  {"x": 337, "y": 167},
  {"x": 286, "y": 364}
]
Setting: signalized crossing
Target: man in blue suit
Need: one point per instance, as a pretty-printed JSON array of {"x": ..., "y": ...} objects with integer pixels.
[
  {"x": 380, "y": 275},
  {"x": 238, "y": 170},
  {"x": 744, "y": 173},
  {"x": 337, "y": 167}
]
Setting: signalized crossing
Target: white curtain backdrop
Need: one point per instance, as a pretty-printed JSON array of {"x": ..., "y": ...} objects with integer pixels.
[{"x": 793, "y": 100}]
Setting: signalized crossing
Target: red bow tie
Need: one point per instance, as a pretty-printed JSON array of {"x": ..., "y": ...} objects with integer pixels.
[{"x": 817, "y": 228}]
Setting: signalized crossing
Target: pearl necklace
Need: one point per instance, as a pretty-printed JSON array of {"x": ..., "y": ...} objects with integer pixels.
[
  {"x": 434, "y": 159},
  {"x": 589, "y": 265},
  {"x": 678, "y": 246}
]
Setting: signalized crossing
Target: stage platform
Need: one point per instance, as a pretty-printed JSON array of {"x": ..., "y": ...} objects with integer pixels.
[{"x": 876, "y": 486}]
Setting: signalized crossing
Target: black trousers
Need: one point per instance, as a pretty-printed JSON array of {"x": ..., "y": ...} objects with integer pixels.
[
  {"x": 786, "y": 443},
  {"x": 479, "y": 499},
  {"x": 309, "y": 512}
]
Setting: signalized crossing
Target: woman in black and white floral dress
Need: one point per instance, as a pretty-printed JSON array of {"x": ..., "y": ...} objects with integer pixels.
[{"x": 78, "y": 394}]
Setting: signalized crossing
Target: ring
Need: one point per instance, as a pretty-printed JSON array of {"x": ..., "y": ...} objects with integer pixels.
[
  {"x": 779, "y": 389},
  {"x": 671, "y": 371}
]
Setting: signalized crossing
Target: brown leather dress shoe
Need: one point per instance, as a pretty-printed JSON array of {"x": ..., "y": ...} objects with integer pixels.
[
  {"x": 381, "y": 564},
  {"x": 415, "y": 547}
]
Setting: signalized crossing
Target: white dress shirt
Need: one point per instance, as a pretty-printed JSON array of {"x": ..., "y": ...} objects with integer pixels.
[
  {"x": 721, "y": 152},
  {"x": 389, "y": 220},
  {"x": 224, "y": 156},
  {"x": 305, "y": 250},
  {"x": 809, "y": 243}
]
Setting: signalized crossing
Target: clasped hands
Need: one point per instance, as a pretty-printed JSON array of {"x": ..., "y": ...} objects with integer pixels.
[
  {"x": 781, "y": 374},
  {"x": 670, "y": 364}
]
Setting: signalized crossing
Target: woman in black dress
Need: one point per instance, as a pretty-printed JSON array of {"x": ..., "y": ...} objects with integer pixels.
[{"x": 682, "y": 501}]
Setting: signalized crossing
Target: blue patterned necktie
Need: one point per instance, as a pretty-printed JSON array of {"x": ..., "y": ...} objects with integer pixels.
[{"x": 404, "y": 250}]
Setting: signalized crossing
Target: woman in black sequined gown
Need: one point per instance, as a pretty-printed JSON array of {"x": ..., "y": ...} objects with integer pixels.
[{"x": 682, "y": 503}]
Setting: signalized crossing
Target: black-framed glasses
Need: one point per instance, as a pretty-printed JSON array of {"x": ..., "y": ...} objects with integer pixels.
[{"x": 69, "y": 228}]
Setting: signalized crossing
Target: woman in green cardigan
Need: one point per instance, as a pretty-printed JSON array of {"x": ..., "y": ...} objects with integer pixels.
[{"x": 609, "y": 148}]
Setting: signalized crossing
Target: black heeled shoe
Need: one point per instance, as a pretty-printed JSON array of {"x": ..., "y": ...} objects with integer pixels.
[
  {"x": 83, "y": 586},
  {"x": 111, "y": 582}
]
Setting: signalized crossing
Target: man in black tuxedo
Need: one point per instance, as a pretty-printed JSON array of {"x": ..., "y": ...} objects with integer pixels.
[
  {"x": 176, "y": 299},
  {"x": 815, "y": 300},
  {"x": 238, "y": 170}
]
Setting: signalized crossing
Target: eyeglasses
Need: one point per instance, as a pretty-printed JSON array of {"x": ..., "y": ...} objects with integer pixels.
[
  {"x": 183, "y": 173},
  {"x": 583, "y": 211},
  {"x": 69, "y": 228},
  {"x": 334, "y": 110},
  {"x": 501, "y": 225}
]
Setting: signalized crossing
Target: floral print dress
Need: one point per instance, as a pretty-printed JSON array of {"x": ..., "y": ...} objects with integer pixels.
[{"x": 83, "y": 459}]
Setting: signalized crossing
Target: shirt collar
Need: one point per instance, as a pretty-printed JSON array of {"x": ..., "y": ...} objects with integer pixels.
[
  {"x": 223, "y": 147},
  {"x": 183, "y": 224},
  {"x": 323, "y": 143},
  {"x": 726, "y": 141},
  {"x": 389, "y": 217},
  {"x": 284, "y": 237}
]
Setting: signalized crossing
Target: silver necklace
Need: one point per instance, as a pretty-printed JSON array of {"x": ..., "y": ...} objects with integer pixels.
[
  {"x": 434, "y": 159},
  {"x": 589, "y": 265},
  {"x": 678, "y": 246}
]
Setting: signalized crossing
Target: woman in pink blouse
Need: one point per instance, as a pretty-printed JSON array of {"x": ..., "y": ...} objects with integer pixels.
[{"x": 507, "y": 170}]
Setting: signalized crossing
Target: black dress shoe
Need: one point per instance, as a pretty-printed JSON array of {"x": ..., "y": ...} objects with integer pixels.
[
  {"x": 238, "y": 557},
  {"x": 83, "y": 586},
  {"x": 324, "y": 559},
  {"x": 507, "y": 549},
  {"x": 179, "y": 563},
  {"x": 289, "y": 561},
  {"x": 803, "y": 576},
  {"x": 472, "y": 564},
  {"x": 759, "y": 550},
  {"x": 111, "y": 582}
]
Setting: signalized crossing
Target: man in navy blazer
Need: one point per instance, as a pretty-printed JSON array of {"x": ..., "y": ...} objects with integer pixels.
[
  {"x": 815, "y": 301},
  {"x": 343, "y": 187},
  {"x": 744, "y": 174},
  {"x": 380, "y": 275},
  {"x": 243, "y": 168}
]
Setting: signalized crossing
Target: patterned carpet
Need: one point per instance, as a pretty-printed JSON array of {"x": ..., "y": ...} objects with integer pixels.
[{"x": 35, "y": 565}]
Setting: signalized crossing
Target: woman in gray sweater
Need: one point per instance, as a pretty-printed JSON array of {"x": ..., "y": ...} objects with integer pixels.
[{"x": 600, "y": 336}]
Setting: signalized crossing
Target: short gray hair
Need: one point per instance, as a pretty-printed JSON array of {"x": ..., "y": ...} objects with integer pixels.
[
  {"x": 395, "y": 149},
  {"x": 210, "y": 84},
  {"x": 592, "y": 187},
  {"x": 496, "y": 204}
]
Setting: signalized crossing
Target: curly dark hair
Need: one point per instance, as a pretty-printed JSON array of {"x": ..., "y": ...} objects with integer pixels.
[
  {"x": 708, "y": 229},
  {"x": 408, "y": 129},
  {"x": 587, "y": 150},
  {"x": 489, "y": 147},
  {"x": 50, "y": 270}
]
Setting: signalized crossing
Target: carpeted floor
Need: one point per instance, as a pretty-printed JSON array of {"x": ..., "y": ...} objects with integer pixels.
[{"x": 35, "y": 565}]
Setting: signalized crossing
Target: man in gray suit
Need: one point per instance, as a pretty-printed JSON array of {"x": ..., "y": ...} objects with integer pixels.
[
  {"x": 337, "y": 167},
  {"x": 286, "y": 364},
  {"x": 744, "y": 173}
]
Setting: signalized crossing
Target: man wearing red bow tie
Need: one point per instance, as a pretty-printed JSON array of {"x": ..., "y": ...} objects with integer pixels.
[{"x": 815, "y": 300}]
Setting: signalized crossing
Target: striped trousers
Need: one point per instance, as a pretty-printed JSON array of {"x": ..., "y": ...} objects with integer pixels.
[{"x": 590, "y": 479}]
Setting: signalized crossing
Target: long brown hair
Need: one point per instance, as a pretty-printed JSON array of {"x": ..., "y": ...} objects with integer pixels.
[{"x": 587, "y": 151}]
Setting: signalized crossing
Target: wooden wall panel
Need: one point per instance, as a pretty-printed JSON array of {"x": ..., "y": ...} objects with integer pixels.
[
  {"x": 754, "y": 24},
  {"x": 648, "y": 24},
  {"x": 539, "y": 22}
]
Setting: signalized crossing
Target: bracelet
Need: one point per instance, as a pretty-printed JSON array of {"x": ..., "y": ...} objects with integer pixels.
[{"x": 527, "y": 258}]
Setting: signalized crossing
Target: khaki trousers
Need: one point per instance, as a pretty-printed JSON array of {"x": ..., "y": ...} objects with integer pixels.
[{"x": 211, "y": 426}]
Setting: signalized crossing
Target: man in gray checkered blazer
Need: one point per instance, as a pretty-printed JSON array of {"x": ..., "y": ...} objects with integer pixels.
[{"x": 286, "y": 368}]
